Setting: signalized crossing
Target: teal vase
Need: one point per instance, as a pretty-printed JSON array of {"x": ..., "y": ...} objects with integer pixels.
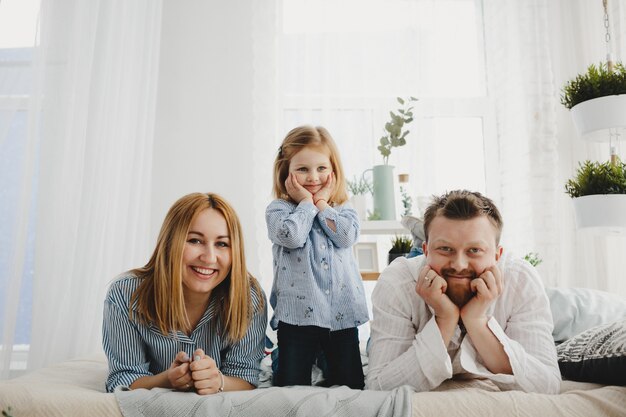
[{"x": 384, "y": 195}]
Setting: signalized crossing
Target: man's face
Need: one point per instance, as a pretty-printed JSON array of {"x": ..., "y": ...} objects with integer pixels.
[{"x": 459, "y": 251}]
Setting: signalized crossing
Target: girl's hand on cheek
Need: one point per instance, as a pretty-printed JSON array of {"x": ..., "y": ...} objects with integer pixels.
[
  {"x": 326, "y": 191},
  {"x": 297, "y": 192}
]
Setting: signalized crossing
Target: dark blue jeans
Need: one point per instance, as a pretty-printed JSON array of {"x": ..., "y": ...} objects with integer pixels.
[{"x": 298, "y": 347}]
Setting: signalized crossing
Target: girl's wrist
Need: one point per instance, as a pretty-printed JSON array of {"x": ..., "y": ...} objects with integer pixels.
[{"x": 318, "y": 200}]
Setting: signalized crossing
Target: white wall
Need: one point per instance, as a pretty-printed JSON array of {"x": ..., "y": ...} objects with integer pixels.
[{"x": 203, "y": 139}]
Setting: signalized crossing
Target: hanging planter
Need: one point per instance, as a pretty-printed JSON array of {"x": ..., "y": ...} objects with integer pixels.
[
  {"x": 600, "y": 113},
  {"x": 599, "y": 193},
  {"x": 604, "y": 212},
  {"x": 597, "y": 98}
]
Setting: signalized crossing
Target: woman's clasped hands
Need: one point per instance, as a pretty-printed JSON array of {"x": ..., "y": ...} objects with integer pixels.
[{"x": 200, "y": 374}]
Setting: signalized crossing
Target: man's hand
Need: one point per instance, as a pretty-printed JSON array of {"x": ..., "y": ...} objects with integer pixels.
[
  {"x": 487, "y": 288},
  {"x": 296, "y": 191},
  {"x": 432, "y": 288}
]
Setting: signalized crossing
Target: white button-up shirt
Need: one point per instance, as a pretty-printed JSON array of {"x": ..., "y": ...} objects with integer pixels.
[{"x": 407, "y": 347}]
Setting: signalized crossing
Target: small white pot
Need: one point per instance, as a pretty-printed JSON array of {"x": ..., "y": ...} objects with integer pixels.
[
  {"x": 359, "y": 203},
  {"x": 599, "y": 114},
  {"x": 605, "y": 213}
]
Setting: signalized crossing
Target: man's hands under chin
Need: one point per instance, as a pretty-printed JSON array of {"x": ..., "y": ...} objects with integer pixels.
[
  {"x": 486, "y": 288},
  {"x": 432, "y": 288}
]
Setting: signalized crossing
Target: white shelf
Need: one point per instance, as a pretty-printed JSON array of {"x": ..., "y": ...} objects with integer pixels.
[{"x": 383, "y": 227}]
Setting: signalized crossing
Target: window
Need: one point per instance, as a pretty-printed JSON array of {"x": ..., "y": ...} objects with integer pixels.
[
  {"x": 341, "y": 65},
  {"x": 18, "y": 21}
]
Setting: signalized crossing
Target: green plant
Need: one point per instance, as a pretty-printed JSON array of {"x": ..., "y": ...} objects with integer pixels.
[
  {"x": 394, "y": 135},
  {"x": 597, "y": 178},
  {"x": 533, "y": 258},
  {"x": 401, "y": 244},
  {"x": 596, "y": 82},
  {"x": 360, "y": 186},
  {"x": 407, "y": 202},
  {"x": 373, "y": 215},
  {"x": 7, "y": 412}
]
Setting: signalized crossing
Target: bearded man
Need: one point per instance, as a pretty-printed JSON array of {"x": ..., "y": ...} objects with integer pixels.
[{"x": 463, "y": 309}]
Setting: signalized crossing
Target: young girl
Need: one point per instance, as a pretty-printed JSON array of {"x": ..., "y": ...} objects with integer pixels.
[
  {"x": 317, "y": 296},
  {"x": 193, "y": 318}
]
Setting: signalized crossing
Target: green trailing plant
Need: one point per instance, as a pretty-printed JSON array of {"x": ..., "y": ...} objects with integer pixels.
[
  {"x": 597, "y": 178},
  {"x": 533, "y": 258},
  {"x": 395, "y": 136},
  {"x": 598, "y": 81},
  {"x": 360, "y": 186},
  {"x": 401, "y": 244}
]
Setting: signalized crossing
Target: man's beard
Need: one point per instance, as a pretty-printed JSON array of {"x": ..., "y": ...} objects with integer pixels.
[{"x": 459, "y": 291}]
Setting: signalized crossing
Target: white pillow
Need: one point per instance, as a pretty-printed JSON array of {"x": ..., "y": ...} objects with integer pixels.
[{"x": 575, "y": 310}]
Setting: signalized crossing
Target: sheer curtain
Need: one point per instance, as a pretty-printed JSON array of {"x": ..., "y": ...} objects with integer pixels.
[
  {"x": 577, "y": 26},
  {"x": 89, "y": 149},
  {"x": 521, "y": 84}
]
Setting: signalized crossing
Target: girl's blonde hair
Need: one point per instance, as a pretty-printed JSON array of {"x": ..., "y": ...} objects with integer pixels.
[
  {"x": 308, "y": 137},
  {"x": 159, "y": 297}
]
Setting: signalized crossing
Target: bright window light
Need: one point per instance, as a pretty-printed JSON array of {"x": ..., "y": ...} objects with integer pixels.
[{"x": 18, "y": 23}]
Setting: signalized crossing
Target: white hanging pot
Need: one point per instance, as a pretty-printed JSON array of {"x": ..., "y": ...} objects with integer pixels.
[
  {"x": 599, "y": 114},
  {"x": 604, "y": 213}
]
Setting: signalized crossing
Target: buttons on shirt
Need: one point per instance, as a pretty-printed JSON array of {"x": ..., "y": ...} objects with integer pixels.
[
  {"x": 323, "y": 246},
  {"x": 327, "y": 292},
  {"x": 325, "y": 266}
]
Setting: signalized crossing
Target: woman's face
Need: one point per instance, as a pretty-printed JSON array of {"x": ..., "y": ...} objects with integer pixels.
[
  {"x": 311, "y": 167},
  {"x": 207, "y": 256}
]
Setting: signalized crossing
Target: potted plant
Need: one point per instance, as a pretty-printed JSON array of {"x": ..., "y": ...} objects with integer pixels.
[
  {"x": 359, "y": 188},
  {"x": 597, "y": 98},
  {"x": 400, "y": 246},
  {"x": 599, "y": 193},
  {"x": 395, "y": 136}
]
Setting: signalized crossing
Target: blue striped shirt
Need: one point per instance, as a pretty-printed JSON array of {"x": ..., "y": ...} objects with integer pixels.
[
  {"x": 316, "y": 278},
  {"x": 135, "y": 350}
]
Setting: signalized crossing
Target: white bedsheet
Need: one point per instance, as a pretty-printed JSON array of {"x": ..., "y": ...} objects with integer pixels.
[{"x": 76, "y": 388}]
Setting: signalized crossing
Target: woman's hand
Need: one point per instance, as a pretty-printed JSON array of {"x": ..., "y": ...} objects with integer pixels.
[
  {"x": 179, "y": 374},
  {"x": 207, "y": 378}
]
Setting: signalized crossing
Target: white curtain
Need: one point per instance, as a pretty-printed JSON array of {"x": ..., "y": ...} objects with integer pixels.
[
  {"x": 578, "y": 40},
  {"x": 521, "y": 83},
  {"x": 89, "y": 149}
]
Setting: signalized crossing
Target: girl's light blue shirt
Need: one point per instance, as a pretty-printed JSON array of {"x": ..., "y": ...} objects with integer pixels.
[{"x": 316, "y": 277}]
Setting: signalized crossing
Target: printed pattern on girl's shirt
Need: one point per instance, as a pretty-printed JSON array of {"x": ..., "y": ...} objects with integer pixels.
[{"x": 316, "y": 278}]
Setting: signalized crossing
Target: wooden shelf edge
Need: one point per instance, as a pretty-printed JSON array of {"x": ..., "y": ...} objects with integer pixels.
[{"x": 369, "y": 276}]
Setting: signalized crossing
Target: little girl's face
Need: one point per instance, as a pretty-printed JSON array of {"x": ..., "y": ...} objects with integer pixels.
[{"x": 311, "y": 167}]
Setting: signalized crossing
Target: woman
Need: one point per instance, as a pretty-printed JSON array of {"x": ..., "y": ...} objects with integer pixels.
[{"x": 193, "y": 318}]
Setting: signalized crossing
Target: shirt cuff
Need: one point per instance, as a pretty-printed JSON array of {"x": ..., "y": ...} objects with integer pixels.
[
  {"x": 308, "y": 207},
  {"x": 430, "y": 340},
  {"x": 470, "y": 360}
]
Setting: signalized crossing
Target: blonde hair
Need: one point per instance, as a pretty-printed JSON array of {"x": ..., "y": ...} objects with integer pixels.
[
  {"x": 308, "y": 137},
  {"x": 159, "y": 297}
]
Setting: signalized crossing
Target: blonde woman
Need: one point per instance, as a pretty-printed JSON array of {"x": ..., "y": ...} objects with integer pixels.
[{"x": 193, "y": 318}]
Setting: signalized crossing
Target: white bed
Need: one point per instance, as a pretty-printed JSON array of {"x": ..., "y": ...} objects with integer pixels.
[{"x": 76, "y": 388}]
